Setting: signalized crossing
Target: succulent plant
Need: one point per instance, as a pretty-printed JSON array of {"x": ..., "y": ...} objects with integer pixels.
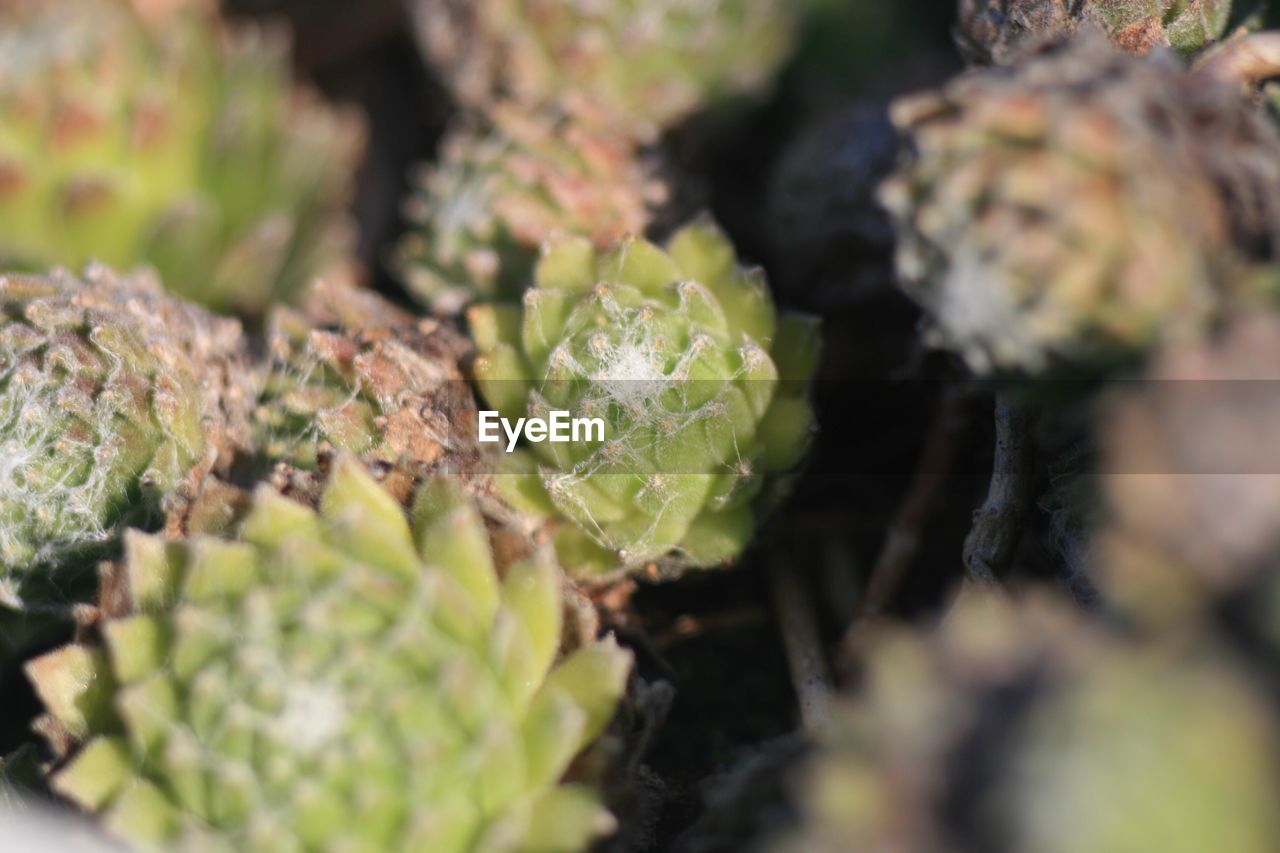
[
  {"x": 1001, "y": 31},
  {"x": 653, "y": 61},
  {"x": 700, "y": 386},
  {"x": 1084, "y": 204},
  {"x": 351, "y": 373},
  {"x": 115, "y": 401},
  {"x": 483, "y": 212},
  {"x": 1021, "y": 727},
  {"x": 1192, "y": 480},
  {"x": 352, "y": 678},
  {"x": 132, "y": 141}
]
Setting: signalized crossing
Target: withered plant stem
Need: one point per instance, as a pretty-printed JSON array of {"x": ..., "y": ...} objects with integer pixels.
[
  {"x": 905, "y": 535},
  {"x": 797, "y": 621},
  {"x": 989, "y": 547}
]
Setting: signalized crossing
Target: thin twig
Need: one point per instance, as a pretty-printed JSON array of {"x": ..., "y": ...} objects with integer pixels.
[
  {"x": 690, "y": 627},
  {"x": 989, "y": 547},
  {"x": 798, "y": 624},
  {"x": 902, "y": 542}
]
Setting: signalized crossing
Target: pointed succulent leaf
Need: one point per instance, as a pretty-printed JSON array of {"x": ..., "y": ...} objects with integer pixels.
[
  {"x": 74, "y": 684},
  {"x": 99, "y": 772},
  {"x": 567, "y": 818}
]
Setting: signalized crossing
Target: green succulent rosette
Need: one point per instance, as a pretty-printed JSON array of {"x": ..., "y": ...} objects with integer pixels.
[
  {"x": 116, "y": 401},
  {"x": 700, "y": 386},
  {"x": 347, "y": 678},
  {"x": 165, "y": 140}
]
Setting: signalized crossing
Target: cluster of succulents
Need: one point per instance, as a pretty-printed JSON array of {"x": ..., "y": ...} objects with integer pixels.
[
  {"x": 565, "y": 103},
  {"x": 1083, "y": 206},
  {"x": 537, "y": 210},
  {"x": 483, "y": 212},
  {"x": 324, "y": 616},
  {"x": 700, "y": 385},
  {"x": 653, "y": 63},
  {"x": 272, "y": 584},
  {"x": 134, "y": 137}
]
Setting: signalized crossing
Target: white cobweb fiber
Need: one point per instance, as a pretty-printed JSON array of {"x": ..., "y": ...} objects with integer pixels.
[
  {"x": 631, "y": 372},
  {"x": 53, "y": 484}
]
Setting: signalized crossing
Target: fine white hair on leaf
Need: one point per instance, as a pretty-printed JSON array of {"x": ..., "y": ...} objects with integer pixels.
[{"x": 628, "y": 360}]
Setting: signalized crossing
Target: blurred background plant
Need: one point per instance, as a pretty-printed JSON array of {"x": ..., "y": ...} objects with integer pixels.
[{"x": 133, "y": 136}]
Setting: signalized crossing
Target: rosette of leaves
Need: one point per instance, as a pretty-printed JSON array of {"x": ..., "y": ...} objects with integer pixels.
[
  {"x": 1021, "y": 727},
  {"x": 139, "y": 133},
  {"x": 700, "y": 385},
  {"x": 347, "y": 678},
  {"x": 1000, "y": 31},
  {"x": 115, "y": 402},
  {"x": 351, "y": 373},
  {"x": 481, "y": 214},
  {"x": 654, "y": 62},
  {"x": 1079, "y": 207}
]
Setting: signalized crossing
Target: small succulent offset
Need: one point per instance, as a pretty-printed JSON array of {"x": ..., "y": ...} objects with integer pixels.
[
  {"x": 351, "y": 373},
  {"x": 1172, "y": 187},
  {"x": 1021, "y": 727},
  {"x": 131, "y": 140},
  {"x": 482, "y": 213},
  {"x": 350, "y": 678},
  {"x": 1000, "y": 31},
  {"x": 653, "y": 62},
  {"x": 115, "y": 401},
  {"x": 701, "y": 387}
]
